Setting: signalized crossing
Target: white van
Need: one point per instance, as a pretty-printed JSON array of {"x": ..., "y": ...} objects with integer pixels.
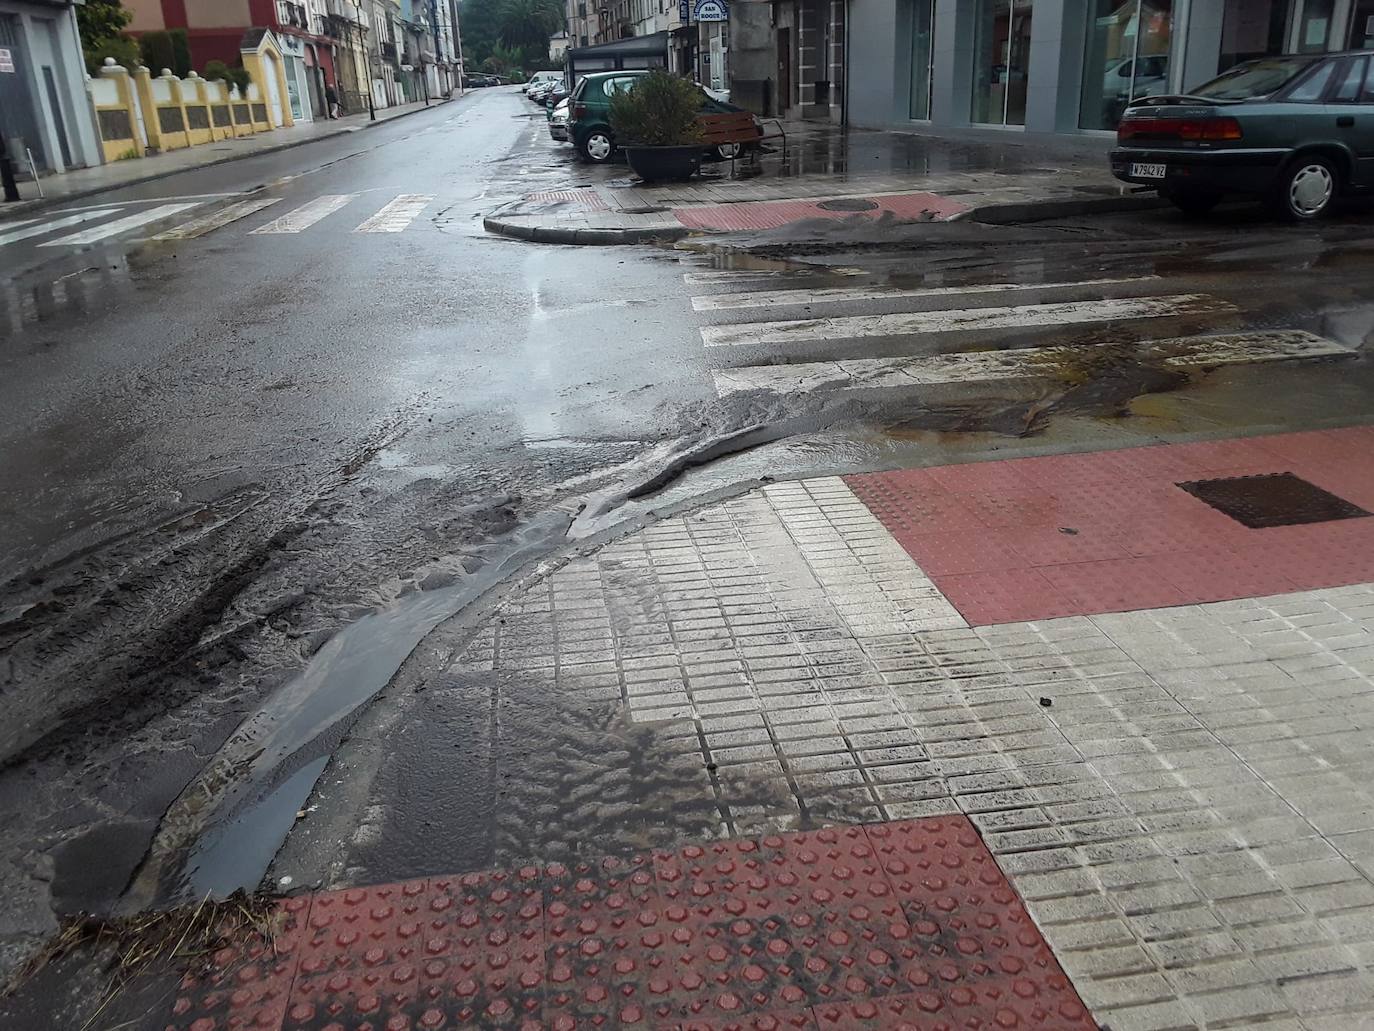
[{"x": 538, "y": 77}]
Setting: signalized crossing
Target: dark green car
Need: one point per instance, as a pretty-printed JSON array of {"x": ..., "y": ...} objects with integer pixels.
[
  {"x": 1296, "y": 131},
  {"x": 589, "y": 120}
]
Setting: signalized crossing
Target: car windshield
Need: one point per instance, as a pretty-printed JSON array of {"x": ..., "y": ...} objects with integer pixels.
[{"x": 1254, "y": 79}]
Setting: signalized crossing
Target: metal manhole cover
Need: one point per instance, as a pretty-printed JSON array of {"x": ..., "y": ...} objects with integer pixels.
[
  {"x": 848, "y": 204},
  {"x": 1276, "y": 499}
]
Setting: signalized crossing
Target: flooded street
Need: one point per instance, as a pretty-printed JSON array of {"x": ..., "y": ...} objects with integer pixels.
[{"x": 269, "y": 533}]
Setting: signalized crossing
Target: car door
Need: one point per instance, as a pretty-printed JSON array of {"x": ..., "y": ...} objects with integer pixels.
[
  {"x": 1354, "y": 120},
  {"x": 1363, "y": 113}
]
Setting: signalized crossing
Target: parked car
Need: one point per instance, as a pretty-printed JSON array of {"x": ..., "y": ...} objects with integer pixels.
[
  {"x": 539, "y": 77},
  {"x": 1297, "y": 131},
  {"x": 556, "y": 95},
  {"x": 540, "y": 90},
  {"x": 589, "y": 126},
  {"x": 558, "y": 121}
]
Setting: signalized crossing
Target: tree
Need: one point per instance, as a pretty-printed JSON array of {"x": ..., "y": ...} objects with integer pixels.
[
  {"x": 156, "y": 48},
  {"x": 102, "y": 23},
  {"x": 527, "y": 24}
]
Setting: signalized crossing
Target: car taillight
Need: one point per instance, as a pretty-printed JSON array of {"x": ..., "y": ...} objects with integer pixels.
[
  {"x": 579, "y": 111},
  {"x": 1192, "y": 129}
]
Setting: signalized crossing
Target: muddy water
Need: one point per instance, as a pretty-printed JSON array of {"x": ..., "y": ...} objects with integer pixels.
[{"x": 249, "y": 793}]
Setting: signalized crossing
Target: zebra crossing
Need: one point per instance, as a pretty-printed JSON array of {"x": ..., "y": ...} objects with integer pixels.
[
  {"x": 113, "y": 221},
  {"x": 950, "y": 334}
]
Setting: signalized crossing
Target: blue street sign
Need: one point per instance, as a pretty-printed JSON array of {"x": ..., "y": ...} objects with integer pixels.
[
  {"x": 712, "y": 10},
  {"x": 684, "y": 11}
]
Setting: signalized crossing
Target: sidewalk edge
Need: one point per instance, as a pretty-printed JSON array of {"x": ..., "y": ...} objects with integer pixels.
[
  {"x": 583, "y": 237},
  {"x": 1036, "y": 210},
  {"x": 42, "y": 203}
]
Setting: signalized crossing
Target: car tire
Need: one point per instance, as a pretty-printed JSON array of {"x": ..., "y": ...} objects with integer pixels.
[
  {"x": 597, "y": 147},
  {"x": 1307, "y": 189},
  {"x": 1195, "y": 203}
]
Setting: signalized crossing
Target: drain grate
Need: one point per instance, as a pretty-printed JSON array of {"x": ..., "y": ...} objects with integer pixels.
[
  {"x": 1275, "y": 499},
  {"x": 848, "y": 204}
]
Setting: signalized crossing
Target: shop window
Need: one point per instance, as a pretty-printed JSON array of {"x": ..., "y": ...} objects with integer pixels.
[
  {"x": 1251, "y": 29},
  {"x": 1127, "y": 58},
  {"x": 922, "y": 57},
  {"x": 1002, "y": 61}
]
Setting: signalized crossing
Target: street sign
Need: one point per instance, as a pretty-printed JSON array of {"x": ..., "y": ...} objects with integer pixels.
[
  {"x": 684, "y": 11},
  {"x": 712, "y": 10},
  {"x": 6, "y": 60}
]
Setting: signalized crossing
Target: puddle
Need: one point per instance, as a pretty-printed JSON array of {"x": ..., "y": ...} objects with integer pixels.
[{"x": 261, "y": 775}]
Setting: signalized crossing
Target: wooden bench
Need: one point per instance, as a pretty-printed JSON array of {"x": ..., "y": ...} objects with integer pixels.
[{"x": 729, "y": 127}]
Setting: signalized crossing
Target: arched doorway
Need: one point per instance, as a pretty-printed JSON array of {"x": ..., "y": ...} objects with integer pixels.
[{"x": 271, "y": 66}]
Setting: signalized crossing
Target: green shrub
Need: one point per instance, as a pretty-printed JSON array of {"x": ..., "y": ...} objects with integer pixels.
[
  {"x": 231, "y": 76},
  {"x": 660, "y": 110},
  {"x": 181, "y": 53},
  {"x": 124, "y": 49},
  {"x": 156, "y": 48}
]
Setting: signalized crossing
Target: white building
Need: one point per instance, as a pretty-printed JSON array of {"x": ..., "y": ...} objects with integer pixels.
[{"x": 44, "y": 110}]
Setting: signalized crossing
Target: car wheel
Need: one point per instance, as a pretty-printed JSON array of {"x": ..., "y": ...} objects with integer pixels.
[
  {"x": 729, "y": 151},
  {"x": 1193, "y": 202},
  {"x": 1307, "y": 189},
  {"x": 597, "y": 147}
]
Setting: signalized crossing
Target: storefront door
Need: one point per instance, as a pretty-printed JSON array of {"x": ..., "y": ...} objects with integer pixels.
[
  {"x": 1001, "y": 57},
  {"x": 1128, "y": 57}
]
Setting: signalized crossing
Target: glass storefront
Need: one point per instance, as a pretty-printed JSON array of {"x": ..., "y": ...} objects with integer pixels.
[
  {"x": 1362, "y": 26},
  {"x": 1001, "y": 57},
  {"x": 1127, "y": 58},
  {"x": 922, "y": 56},
  {"x": 1312, "y": 26},
  {"x": 1251, "y": 29}
]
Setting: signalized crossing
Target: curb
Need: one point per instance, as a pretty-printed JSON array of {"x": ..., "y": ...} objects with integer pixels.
[
  {"x": 989, "y": 214},
  {"x": 1033, "y": 211},
  {"x": 40, "y": 203},
  {"x": 584, "y": 237}
]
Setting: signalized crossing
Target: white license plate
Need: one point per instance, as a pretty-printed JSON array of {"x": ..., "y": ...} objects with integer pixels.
[{"x": 1148, "y": 171}]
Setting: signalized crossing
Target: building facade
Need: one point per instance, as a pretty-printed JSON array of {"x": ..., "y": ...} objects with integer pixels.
[
  {"x": 1069, "y": 66},
  {"x": 44, "y": 110}
]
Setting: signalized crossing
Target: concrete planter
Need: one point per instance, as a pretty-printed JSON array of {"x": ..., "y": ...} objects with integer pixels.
[{"x": 664, "y": 164}]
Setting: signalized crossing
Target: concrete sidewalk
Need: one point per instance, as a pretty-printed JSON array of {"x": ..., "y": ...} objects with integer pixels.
[
  {"x": 89, "y": 182},
  {"x": 825, "y": 173},
  {"x": 1127, "y": 693}
]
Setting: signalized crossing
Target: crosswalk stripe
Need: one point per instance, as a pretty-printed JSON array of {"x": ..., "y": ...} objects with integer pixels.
[
  {"x": 746, "y": 275},
  {"x": 834, "y": 295},
  {"x": 306, "y": 215},
  {"x": 208, "y": 223},
  {"x": 1022, "y": 363},
  {"x": 121, "y": 225},
  {"x": 55, "y": 224},
  {"x": 1027, "y": 316},
  {"x": 396, "y": 215}
]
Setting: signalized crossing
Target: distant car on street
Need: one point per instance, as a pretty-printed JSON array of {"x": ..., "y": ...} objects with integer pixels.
[
  {"x": 1296, "y": 131},
  {"x": 558, "y": 121},
  {"x": 541, "y": 77}
]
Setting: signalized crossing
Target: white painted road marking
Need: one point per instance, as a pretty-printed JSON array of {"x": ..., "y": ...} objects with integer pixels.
[
  {"x": 121, "y": 225},
  {"x": 306, "y": 215},
  {"x": 1028, "y": 316},
  {"x": 55, "y": 224},
  {"x": 208, "y": 223},
  {"x": 1021, "y": 363},
  {"x": 745, "y": 275},
  {"x": 397, "y": 215},
  {"x": 835, "y": 295}
]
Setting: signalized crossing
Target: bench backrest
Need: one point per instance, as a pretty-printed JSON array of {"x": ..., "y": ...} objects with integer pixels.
[{"x": 729, "y": 127}]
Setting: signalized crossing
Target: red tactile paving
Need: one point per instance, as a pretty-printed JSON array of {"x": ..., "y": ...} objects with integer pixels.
[
  {"x": 903, "y": 925},
  {"x": 1110, "y": 531},
  {"x": 772, "y": 214}
]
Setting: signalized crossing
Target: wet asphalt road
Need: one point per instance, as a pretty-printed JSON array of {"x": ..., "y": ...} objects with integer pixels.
[{"x": 227, "y": 458}]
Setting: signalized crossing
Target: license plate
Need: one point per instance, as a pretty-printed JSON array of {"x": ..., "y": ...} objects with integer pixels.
[{"x": 1148, "y": 171}]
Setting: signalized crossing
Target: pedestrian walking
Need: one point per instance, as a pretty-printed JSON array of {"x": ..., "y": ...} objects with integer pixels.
[{"x": 332, "y": 99}]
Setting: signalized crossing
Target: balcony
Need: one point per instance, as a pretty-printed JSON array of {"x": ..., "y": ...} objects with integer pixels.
[{"x": 344, "y": 10}]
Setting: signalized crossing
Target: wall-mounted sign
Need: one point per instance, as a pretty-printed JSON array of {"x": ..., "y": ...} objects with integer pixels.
[
  {"x": 684, "y": 11},
  {"x": 6, "y": 60},
  {"x": 711, "y": 10}
]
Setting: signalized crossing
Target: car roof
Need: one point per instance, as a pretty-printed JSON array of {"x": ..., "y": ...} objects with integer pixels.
[{"x": 598, "y": 76}]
